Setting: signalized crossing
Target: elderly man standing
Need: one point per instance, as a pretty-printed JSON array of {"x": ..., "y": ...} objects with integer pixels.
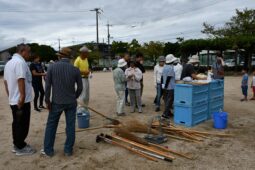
[
  {"x": 82, "y": 64},
  {"x": 18, "y": 85},
  {"x": 119, "y": 78},
  {"x": 62, "y": 78},
  {"x": 168, "y": 84}
]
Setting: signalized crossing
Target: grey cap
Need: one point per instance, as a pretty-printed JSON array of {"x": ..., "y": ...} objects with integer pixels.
[
  {"x": 85, "y": 49},
  {"x": 161, "y": 58}
]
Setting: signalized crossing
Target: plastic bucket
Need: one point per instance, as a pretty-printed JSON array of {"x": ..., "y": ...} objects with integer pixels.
[
  {"x": 220, "y": 120},
  {"x": 83, "y": 119}
]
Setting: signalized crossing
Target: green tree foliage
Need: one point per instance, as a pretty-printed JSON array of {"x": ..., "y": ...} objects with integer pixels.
[
  {"x": 153, "y": 50},
  {"x": 172, "y": 48},
  {"x": 134, "y": 47},
  {"x": 243, "y": 23},
  {"x": 119, "y": 47},
  {"x": 46, "y": 52}
]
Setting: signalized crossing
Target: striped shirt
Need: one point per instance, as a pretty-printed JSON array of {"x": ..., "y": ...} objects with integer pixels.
[{"x": 62, "y": 78}]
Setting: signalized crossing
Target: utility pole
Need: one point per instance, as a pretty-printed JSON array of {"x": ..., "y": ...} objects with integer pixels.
[
  {"x": 98, "y": 11},
  {"x": 108, "y": 37},
  {"x": 59, "y": 44}
]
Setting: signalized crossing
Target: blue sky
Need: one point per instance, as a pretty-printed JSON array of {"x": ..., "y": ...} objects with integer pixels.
[{"x": 72, "y": 21}]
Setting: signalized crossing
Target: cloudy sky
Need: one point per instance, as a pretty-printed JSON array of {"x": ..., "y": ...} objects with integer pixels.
[{"x": 46, "y": 21}]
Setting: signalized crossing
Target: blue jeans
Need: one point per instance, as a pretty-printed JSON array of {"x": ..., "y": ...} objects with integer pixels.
[
  {"x": 159, "y": 94},
  {"x": 169, "y": 99},
  {"x": 245, "y": 90},
  {"x": 52, "y": 124}
]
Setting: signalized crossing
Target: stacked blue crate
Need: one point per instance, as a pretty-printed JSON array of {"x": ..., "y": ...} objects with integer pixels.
[
  {"x": 216, "y": 97},
  {"x": 190, "y": 104}
]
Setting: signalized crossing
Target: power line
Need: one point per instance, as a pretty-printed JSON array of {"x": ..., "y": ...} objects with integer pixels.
[{"x": 45, "y": 11}]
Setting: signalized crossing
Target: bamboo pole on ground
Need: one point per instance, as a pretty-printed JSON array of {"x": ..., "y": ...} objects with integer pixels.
[{"x": 142, "y": 146}]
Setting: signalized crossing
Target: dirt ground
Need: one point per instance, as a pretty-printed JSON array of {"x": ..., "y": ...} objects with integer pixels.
[{"x": 215, "y": 153}]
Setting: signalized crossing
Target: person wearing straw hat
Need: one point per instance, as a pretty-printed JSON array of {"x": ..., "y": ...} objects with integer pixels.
[
  {"x": 188, "y": 72},
  {"x": 168, "y": 85},
  {"x": 119, "y": 79},
  {"x": 82, "y": 64},
  {"x": 158, "y": 70},
  {"x": 64, "y": 85}
]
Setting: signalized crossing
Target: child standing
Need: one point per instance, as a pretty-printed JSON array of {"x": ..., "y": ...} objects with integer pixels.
[
  {"x": 134, "y": 77},
  {"x": 253, "y": 85},
  {"x": 245, "y": 84}
]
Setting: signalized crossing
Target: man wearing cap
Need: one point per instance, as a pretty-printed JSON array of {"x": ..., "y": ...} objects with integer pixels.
[
  {"x": 82, "y": 64},
  {"x": 158, "y": 70},
  {"x": 188, "y": 72},
  {"x": 120, "y": 85},
  {"x": 168, "y": 84},
  {"x": 64, "y": 85}
]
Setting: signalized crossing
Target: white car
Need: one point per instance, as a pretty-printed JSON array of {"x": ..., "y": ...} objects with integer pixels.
[{"x": 230, "y": 62}]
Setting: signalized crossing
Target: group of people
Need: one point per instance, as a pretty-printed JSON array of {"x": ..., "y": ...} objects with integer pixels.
[
  {"x": 128, "y": 79},
  {"x": 64, "y": 84}
]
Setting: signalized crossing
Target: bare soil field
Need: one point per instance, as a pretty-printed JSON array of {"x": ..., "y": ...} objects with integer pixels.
[{"x": 237, "y": 152}]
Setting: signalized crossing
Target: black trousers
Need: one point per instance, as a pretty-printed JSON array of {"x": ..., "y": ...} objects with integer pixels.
[
  {"x": 39, "y": 91},
  {"x": 169, "y": 99},
  {"x": 20, "y": 124}
]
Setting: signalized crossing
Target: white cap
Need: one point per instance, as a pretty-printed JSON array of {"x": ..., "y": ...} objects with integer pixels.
[
  {"x": 122, "y": 63},
  {"x": 85, "y": 49},
  {"x": 194, "y": 59},
  {"x": 170, "y": 58}
]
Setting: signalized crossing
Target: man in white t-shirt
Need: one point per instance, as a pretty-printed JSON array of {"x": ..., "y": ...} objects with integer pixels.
[{"x": 18, "y": 85}]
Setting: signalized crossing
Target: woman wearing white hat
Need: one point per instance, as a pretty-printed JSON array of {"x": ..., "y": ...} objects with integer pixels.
[
  {"x": 188, "y": 72},
  {"x": 119, "y": 79}
]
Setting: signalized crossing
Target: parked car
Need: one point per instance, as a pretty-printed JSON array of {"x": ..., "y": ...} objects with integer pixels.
[
  {"x": 230, "y": 62},
  {"x": 253, "y": 61},
  {"x": 2, "y": 64}
]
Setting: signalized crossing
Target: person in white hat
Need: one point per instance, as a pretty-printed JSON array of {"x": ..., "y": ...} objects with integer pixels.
[
  {"x": 119, "y": 79},
  {"x": 188, "y": 72},
  {"x": 82, "y": 64},
  {"x": 158, "y": 70},
  {"x": 177, "y": 69},
  {"x": 168, "y": 84}
]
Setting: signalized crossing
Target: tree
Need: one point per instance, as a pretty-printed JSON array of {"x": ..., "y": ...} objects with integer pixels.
[
  {"x": 119, "y": 47},
  {"x": 153, "y": 50},
  {"x": 243, "y": 23},
  {"x": 238, "y": 33},
  {"x": 172, "y": 48},
  {"x": 134, "y": 47},
  {"x": 46, "y": 52}
]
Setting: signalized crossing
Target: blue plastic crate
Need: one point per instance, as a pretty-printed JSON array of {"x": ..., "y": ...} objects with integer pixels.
[
  {"x": 215, "y": 106},
  {"x": 216, "y": 94},
  {"x": 190, "y": 95},
  {"x": 190, "y": 116},
  {"x": 216, "y": 84},
  {"x": 216, "y": 89}
]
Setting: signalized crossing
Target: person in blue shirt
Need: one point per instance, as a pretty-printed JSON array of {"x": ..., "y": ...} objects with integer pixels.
[
  {"x": 168, "y": 84},
  {"x": 38, "y": 73},
  {"x": 244, "y": 85}
]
